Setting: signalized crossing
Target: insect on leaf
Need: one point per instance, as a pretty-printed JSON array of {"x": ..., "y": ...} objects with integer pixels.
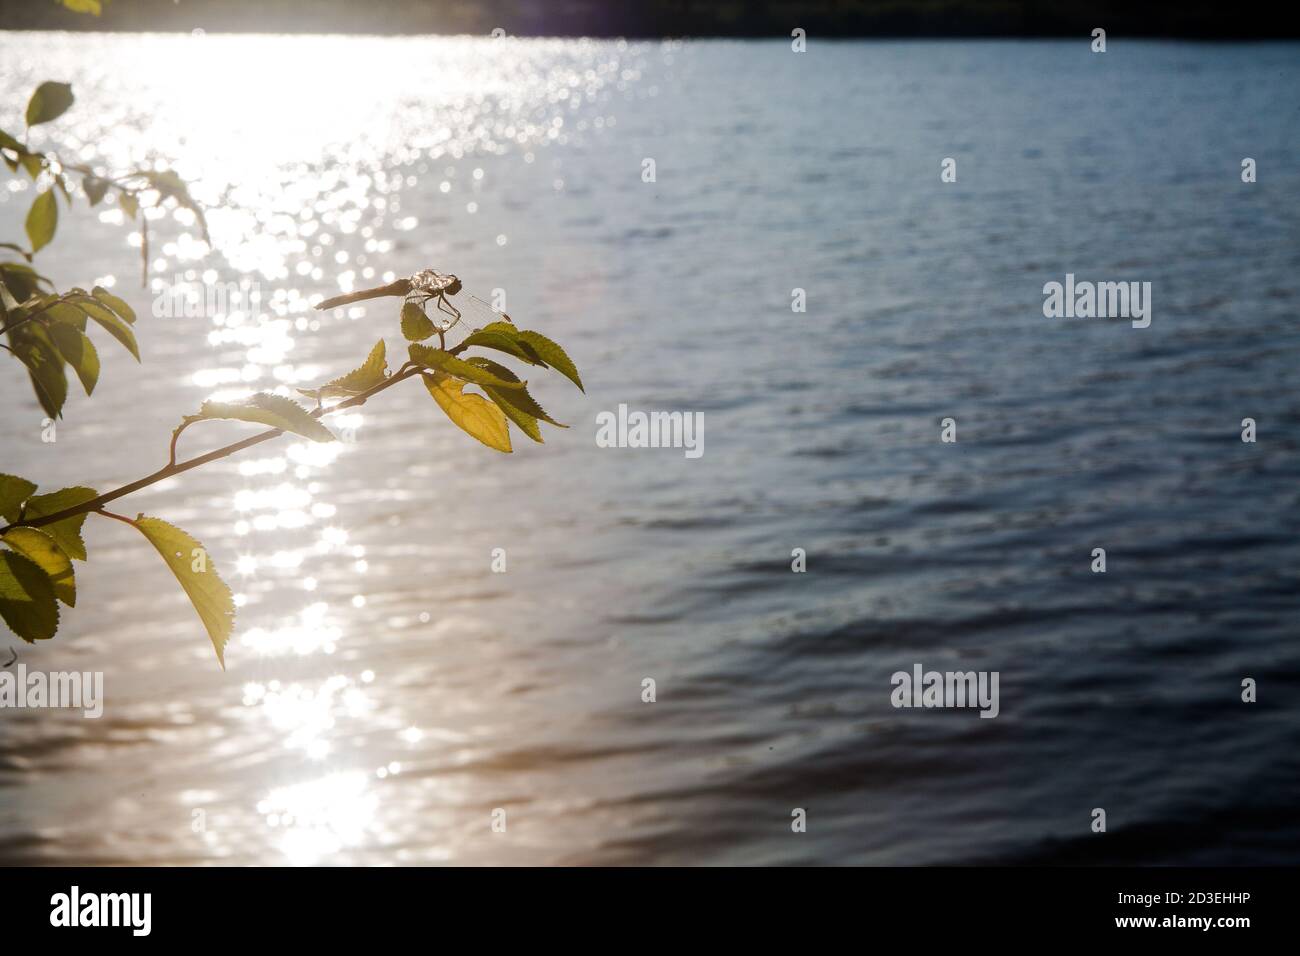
[{"x": 189, "y": 563}]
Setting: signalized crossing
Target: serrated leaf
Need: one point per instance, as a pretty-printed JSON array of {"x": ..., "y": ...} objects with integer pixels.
[
  {"x": 554, "y": 356},
  {"x": 42, "y": 220},
  {"x": 42, "y": 550},
  {"x": 473, "y": 414},
  {"x": 207, "y": 592},
  {"x": 66, "y": 533},
  {"x": 443, "y": 361},
  {"x": 78, "y": 351},
  {"x": 113, "y": 302},
  {"x": 502, "y": 341},
  {"x": 518, "y": 399},
  {"x": 50, "y": 101},
  {"x": 27, "y": 602},
  {"x": 110, "y": 321},
  {"x": 366, "y": 376},
  {"x": 95, "y": 188},
  {"x": 266, "y": 409},
  {"x": 527, "y": 423},
  {"x": 13, "y": 492},
  {"x": 416, "y": 326}
]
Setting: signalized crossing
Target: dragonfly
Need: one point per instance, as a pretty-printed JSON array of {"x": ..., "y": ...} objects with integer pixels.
[{"x": 423, "y": 287}]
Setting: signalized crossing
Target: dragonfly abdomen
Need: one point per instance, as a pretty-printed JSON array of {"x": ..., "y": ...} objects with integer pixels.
[{"x": 400, "y": 287}]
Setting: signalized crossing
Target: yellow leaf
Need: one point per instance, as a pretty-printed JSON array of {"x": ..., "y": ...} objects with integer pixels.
[
  {"x": 39, "y": 548},
  {"x": 472, "y": 413},
  {"x": 189, "y": 562}
]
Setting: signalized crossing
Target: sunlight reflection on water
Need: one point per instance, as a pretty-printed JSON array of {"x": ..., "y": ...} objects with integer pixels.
[
  {"x": 301, "y": 149},
  {"x": 387, "y": 691}
]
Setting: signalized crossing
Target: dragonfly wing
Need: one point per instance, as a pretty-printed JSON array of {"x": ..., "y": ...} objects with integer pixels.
[{"x": 477, "y": 313}]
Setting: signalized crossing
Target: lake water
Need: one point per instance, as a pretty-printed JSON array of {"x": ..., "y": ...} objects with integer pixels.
[{"x": 386, "y": 691}]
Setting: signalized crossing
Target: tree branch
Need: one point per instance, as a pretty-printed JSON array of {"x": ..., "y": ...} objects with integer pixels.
[{"x": 173, "y": 468}]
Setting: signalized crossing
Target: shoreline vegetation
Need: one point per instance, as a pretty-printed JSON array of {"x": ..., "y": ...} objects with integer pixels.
[{"x": 677, "y": 18}]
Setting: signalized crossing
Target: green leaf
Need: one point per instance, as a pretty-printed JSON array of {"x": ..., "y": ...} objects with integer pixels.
[
  {"x": 27, "y": 601},
  {"x": 41, "y": 550},
  {"x": 50, "y": 101},
  {"x": 416, "y": 326},
  {"x": 8, "y": 142},
  {"x": 474, "y": 414},
  {"x": 129, "y": 203},
  {"x": 42, "y": 220},
  {"x": 78, "y": 351},
  {"x": 554, "y": 356},
  {"x": 443, "y": 361},
  {"x": 266, "y": 409},
  {"x": 188, "y": 560},
  {"x": 502, "y": 341},
  {"x": 23, "y": 281},
  {"x": 95, "y": 188},
  {"x": 116, "y": 327},
  {"x": 366, "y": 376},
  {"x": 518, "y": 399},
  {"x": 527, "y": 423},
  {"x": 64, "y": 312},
  {"x": 13, "y": 492},
  {"x": 113, "y": 302},
  {"x": 34, "y": 348},
  {"x": 66, "y": 533}
]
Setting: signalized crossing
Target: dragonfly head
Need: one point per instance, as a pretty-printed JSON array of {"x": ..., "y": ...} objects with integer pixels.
[{"x": 453, "y": 286}]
